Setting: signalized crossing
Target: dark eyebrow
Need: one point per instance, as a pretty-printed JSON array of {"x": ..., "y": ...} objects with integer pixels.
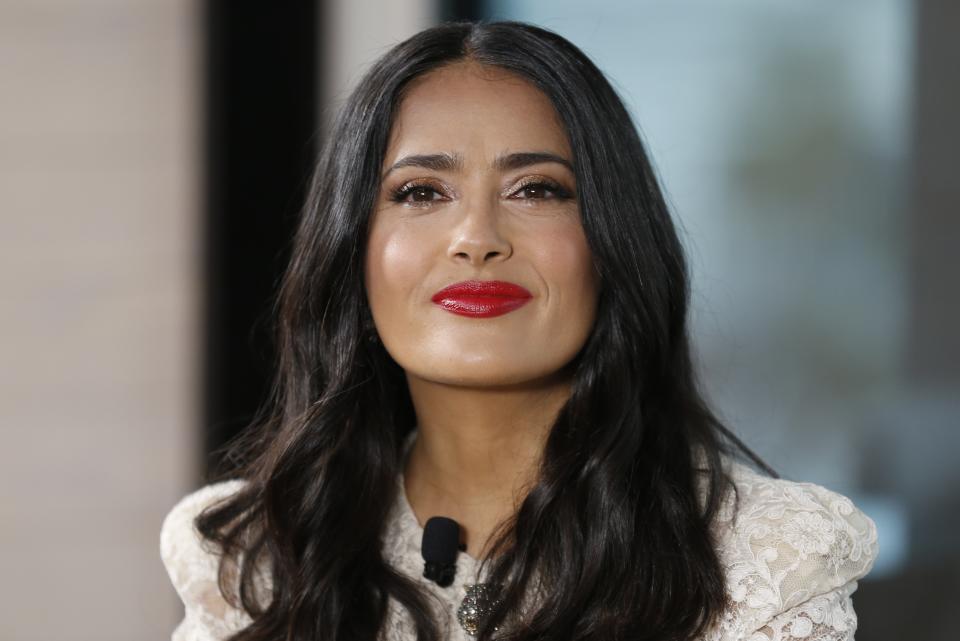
[
  {"x": 435, "y": 162},
  {"x": 454, "y": 162},
  {"x": 525, "y": 158}
]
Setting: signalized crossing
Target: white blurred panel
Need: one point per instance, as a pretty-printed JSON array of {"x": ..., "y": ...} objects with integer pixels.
[
  {"x": 99, "y": 275},
  {"x": 354, "y": 33}
]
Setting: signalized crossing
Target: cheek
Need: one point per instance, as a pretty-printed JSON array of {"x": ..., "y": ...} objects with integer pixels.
[
  {"x": 395, "y": 264},
  {"x": 567, "y": 264}
]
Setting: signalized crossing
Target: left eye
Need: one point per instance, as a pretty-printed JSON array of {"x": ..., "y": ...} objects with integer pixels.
[{"x": 540, "y": 191}]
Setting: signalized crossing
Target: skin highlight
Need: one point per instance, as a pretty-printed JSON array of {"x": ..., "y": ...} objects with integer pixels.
[{"x": 477, "y": 183}]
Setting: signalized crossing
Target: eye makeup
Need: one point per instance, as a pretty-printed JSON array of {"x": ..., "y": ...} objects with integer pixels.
[
  {"x": 430, "y": 189},
  {"x": 543, "y": 184},
  {"x": 416, "y": 187}
]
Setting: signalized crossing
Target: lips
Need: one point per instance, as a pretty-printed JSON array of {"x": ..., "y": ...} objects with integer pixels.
[{"x": 481, "y": 298}]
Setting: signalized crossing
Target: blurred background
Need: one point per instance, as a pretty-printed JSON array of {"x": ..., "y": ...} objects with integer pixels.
[{"x": 153, "y": 156}]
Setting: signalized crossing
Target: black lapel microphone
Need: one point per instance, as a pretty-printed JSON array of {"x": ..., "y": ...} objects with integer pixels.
[{"x": 440, "y": 545}]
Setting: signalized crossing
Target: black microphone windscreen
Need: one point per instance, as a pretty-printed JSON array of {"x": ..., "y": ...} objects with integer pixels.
[{"x": 441, "y": 540}]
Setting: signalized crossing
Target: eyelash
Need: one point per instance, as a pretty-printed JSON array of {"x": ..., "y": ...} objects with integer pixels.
[{"x": 400, "y": 195}]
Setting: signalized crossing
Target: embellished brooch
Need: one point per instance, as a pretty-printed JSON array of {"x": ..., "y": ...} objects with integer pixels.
[{"x": 479, "y": 602}]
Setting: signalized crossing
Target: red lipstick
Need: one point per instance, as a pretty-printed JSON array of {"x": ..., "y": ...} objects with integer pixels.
[{"x": 481, "y": 298}]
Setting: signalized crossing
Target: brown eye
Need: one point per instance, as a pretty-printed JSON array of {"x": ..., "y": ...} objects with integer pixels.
[
  {"x": 419, "y": 194},
  {"x": 422, "y": 193},
  {"x": 541, "y": 190},
  {"x": 538, "y": 190}
]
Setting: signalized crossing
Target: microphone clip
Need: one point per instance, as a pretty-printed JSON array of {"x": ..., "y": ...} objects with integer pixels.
[
  {"x": 440, "y": 573},
  {"x": 440, "y": 546}
]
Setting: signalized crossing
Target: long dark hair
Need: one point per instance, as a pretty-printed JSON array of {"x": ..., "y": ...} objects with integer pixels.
[{"x": 616, "y": 535}]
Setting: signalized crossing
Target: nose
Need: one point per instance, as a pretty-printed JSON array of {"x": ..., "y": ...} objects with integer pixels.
[{"x": 477, "y": 238}]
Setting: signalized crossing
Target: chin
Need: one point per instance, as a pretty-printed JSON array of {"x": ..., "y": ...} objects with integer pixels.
[{"x": 484, "y": 374}]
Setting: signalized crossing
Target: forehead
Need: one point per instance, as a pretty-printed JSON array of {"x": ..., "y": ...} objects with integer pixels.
[{"x": 475, "y": 109}]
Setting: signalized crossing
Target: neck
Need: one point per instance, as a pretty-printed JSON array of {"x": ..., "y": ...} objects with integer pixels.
[{"x": 477, "y": 451}]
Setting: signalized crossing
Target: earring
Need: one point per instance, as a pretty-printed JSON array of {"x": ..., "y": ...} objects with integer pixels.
[{"x": 369, "y": 329}]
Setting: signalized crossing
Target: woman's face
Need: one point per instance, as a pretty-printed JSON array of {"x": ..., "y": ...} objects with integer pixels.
[{"x": 459, "y": 203}]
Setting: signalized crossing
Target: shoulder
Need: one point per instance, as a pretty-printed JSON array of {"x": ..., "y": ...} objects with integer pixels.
[
  {"x": 193, "y": 563},
  {"x": 792, "y": 553},
  {"x": 179, "y": 538}
]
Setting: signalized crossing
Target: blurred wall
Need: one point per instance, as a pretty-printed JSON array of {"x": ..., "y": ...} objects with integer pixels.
[
  {"x": 806, "y": 150},
  {"x": 260, "y": 93},
  {"x": 102, "y": 303},
  {"x": 357, "y": 33},
  {"x": 98, "y": 311}
]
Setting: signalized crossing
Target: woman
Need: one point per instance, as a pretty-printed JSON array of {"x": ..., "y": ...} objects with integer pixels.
[{"x": 485, "y": 318}]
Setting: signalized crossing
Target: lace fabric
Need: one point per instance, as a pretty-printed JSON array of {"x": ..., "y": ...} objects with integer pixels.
[
  {"x": 192, "y": 563},
  {"x": 792, "y": 554}
]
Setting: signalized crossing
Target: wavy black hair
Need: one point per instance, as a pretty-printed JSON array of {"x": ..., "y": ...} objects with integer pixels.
[{"x": 615, "y": 536}]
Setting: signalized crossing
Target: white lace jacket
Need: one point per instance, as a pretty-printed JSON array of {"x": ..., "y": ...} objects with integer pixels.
[{"x": 792, "y": 553}]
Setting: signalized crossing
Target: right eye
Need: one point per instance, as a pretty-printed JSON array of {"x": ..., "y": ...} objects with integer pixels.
[{"x": 416, "y": 194}]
